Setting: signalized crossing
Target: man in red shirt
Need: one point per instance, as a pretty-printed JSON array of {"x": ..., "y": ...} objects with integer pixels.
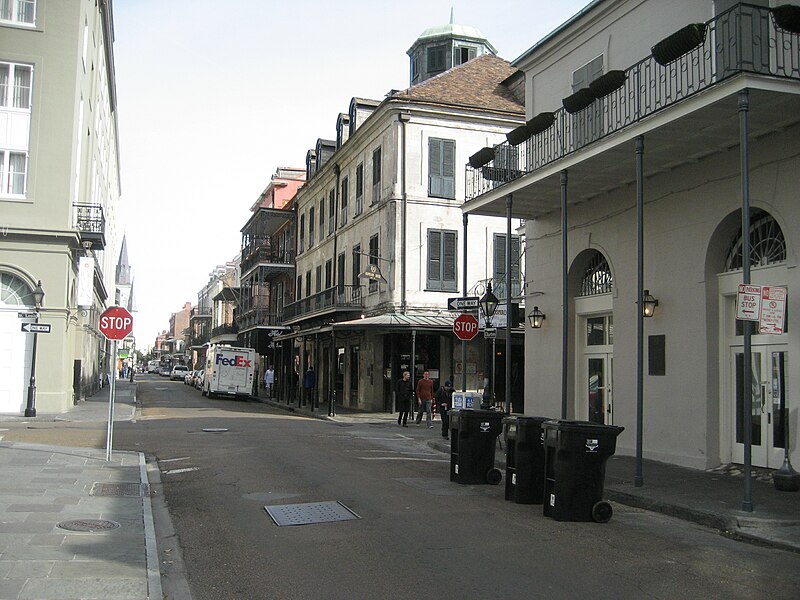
[{"x": 425, "y": 397}]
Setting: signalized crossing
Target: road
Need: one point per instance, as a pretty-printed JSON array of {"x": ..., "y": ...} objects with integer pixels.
[{"x": 418, "y": 535}]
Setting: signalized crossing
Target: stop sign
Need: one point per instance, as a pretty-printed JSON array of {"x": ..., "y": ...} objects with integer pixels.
[
  {"x": 465, "y": 327},
  {"x": 116, "y": 323}
]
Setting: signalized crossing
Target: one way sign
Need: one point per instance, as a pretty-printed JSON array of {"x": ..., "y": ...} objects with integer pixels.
[
  {"x": 36, "y": 327},
  {"x": 467, "y": 303}
]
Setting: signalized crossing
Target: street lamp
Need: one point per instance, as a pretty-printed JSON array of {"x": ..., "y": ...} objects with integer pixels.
[
  {"x": 488, "y": 305},
  {"x": 30, "y": 409},
  {"x": 536, "y": 317}
]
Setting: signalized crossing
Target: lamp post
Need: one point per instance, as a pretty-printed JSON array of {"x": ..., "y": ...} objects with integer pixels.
[
  {"x": 30, "y": 408},
  {"x": 488, "y": 304}
]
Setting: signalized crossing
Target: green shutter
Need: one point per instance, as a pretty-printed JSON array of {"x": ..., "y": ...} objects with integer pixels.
[
  {"x": 449, "y": 254},
  {"x": 448, "y": 169},
  {"x": 435, "y": 181},
  {"x": 434, "y": 259}
]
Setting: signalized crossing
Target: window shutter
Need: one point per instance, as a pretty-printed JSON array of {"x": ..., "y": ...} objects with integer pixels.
[
  {"x": 449, "y": 260},
  {"x": 448, "y": 168},
  {"x": 434, "y": 260},
  {"x": 499, "y": 256},
  {"x": 435, "y": 180}
]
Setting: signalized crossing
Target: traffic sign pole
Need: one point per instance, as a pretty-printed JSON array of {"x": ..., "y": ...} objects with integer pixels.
[{"x": 112, "y": 367}]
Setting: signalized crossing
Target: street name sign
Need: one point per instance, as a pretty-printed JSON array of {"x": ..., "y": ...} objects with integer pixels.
[
  {"x": 490, "y": 333},
  {"x": 36, "y": 327},
  {"x": 466, "y": 303},
  {"x": 27, "y": 315},
  {"x": 465, "y": 327},
  {"x": 116, "y": 323}
]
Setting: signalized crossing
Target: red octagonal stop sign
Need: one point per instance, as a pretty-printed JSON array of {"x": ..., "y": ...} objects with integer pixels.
[
  {"x": 116, "y": 323},
  {"x": 465, "y": 327}
]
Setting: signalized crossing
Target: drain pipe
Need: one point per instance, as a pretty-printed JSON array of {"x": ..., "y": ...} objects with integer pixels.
[
  {"x": 335, "y": 268},
  {"x": 403, "y": 118}
]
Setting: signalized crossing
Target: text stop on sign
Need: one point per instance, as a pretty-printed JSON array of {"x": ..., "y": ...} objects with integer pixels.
[
  {"x": 116, "y": 323},
  {"x": 465, "y": 327}
]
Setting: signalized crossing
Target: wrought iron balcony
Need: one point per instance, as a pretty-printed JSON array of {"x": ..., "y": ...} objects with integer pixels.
[
  {"x": 225, "y": 328},
  {"x": 268, "y": 255},
  {"x": 342, "y": 297},
  {"x": 200, "y": 312},
  {"x": 743, "y": 40},
  {"x": 255, "y": 317},
  {"x": 91, "y": 223}
]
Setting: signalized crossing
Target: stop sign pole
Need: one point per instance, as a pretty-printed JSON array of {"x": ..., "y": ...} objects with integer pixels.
[{"x": 116, "y": 323}]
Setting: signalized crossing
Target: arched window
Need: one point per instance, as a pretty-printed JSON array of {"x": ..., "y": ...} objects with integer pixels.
[
  {"x": 14, "y": 291},
  {"x": 597, "y": 278},
  {"x": 767, "y": 246}
]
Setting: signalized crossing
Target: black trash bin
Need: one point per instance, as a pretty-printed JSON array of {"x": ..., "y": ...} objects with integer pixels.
[
  {"x": 473, "y": 438},
  {"x": 575, "y": 468},
  {"x": 524, "y": 459}
]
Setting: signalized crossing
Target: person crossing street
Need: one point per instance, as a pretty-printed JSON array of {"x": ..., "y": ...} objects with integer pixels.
[{"x": 425, "y": 398}]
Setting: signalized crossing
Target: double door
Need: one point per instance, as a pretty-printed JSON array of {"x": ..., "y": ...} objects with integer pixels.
[{"x": 769, "y": 389}]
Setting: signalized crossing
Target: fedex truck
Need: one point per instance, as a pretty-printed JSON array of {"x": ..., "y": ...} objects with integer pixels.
[{"x": 229, "y": 371}]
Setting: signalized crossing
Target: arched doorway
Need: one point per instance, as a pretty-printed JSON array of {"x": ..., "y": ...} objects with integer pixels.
[
  {"x": 15, "y": 346},
  {"x": 594, "y": 341},
  {"x": 770, "y": 358}
]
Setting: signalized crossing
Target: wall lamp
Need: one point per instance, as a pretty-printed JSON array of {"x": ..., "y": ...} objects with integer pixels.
[
  {"x": 536, "y": 318},
  {"x": 648, "y": 304}
]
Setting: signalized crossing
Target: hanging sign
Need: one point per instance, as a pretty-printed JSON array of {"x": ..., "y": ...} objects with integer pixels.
[{"x": 773, "y": 310}]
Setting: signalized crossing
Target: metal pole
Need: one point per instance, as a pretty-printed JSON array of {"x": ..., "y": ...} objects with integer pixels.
[
  {"x": 333, "y": 374},
  {"x": 111, "y": 393},
  {"x": 744, "y": 106},
  {"x": 30, "y": 408},
  {"x": 413, "y": 366},
  {"x": 509, "y": 306},
  {"x": 463, "y": 342},
  {"x": 564, "y": 296},
  {"x": 494, "y": 355},
  {"x": 638, "y": 480}
]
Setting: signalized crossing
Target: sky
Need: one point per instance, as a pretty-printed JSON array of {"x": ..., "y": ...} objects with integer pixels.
[{"x": 213, "y": 96}]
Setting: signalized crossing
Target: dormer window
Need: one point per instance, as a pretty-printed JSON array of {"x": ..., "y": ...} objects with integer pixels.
[
  {"x": 462, "y": 55},
  {"x": 436, "y": 59}
]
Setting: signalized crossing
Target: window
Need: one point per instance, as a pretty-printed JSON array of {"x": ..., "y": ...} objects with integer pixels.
[
  {"x": 442, "y": 260},
  {"x": 299, "y": 289},
  {"x": 356, "y": 264},
  {"x": 322, "y": 218},
  {"x": 500, "y": 282},
  {"x": 359, "y": 189},
  {"x": 15, "y": 85},
  {"x": 311, "y": 226},
  {"x": 302, "y": 245},
  {"x": 436, "y": 59},
  {"x": 376, "y": 176},
  {"x": 340, "y": 272},
  {"x": 345, "y": 191},
  {"x": 18, "y": 11},
  {"x": 308, "y": 283},
  {"x": 414, "y": 68},
  {"x": 13, "y": 170},
  {"x": 354, "y": 371},
  {"x": 15, "y": 107},
  {"x": 597, "y": 278},
  {"x": 328, "y": 273},
  {"x": 588, "y": 123},
  {"x": 318, "y": 275},
  {"x": 374, "y": 253},
  {"x": 331, "y": 213},
  {"x": 441, "y": 168},
  {"x": 462, "y": 55}
]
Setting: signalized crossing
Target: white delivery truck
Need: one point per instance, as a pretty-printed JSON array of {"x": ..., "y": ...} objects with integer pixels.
[{"x": 229, "y": 371}]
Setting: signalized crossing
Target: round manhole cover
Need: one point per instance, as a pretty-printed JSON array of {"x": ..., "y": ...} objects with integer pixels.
[
  {"x": 215, "y": 430},
  {"x": 90, "y": 525}
]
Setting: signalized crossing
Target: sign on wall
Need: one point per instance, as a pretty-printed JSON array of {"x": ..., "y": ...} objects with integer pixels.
[{"x": 763, "y": 303}]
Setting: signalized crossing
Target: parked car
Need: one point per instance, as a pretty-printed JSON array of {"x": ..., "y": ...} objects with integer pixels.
[
  {"x": 198, "y": 381},
  {"x": 178, "y": 372},
  {"x": 164, "y": 371}
]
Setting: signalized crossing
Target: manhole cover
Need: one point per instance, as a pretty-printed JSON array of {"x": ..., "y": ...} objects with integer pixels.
[
  {"x": 214, "y": 429},
  {"x": 91, "y": 525},
  {"x": 120, "y": 490},
  {"x": 310, "y": 513}
]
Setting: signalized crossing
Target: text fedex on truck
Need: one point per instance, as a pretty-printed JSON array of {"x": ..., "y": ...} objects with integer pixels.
[{"x": 229, "y": 371}]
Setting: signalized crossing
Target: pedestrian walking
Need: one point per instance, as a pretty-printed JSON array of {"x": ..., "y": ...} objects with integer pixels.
[
  {"x": 444, "y": 400},
  {"x": 309, "y": 383},
  {"x": 404, "y": 389},
  {"x": 269, "y": 380},
  {"x": 425, "y": 398}
]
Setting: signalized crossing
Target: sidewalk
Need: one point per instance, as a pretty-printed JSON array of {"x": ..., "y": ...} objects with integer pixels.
[
  {"x": 73, "y": 525},
  {"x": 710, "y": 498}
]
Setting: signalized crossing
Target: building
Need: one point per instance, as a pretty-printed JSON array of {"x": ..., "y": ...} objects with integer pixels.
[
  {"x": 380, "y": 237},
  {"x": 667, "y": 153},
  {"x": 267, "y": 264},
  {"x": 59, "y": 195}
]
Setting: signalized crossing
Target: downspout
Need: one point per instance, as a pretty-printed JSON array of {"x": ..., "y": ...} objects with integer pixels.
[
  {"x": 403, "y": 118},
  {"x": 335, "y": 268}
]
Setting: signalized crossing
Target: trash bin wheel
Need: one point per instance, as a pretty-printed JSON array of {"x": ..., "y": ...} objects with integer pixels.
[
  {"x": 601, "y": 512},
  {"x": 494, "y": 476}
]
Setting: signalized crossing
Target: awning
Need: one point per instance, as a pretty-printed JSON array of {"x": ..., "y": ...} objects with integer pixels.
[
  {"x": 433, "y": 321},
  {"x": 226, "y": 294}
]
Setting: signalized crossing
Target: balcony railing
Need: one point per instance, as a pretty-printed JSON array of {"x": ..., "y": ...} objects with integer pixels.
[
  {"x": 257, "y": 316},
  {"x": 744, "y": 39},
  {"x": 223, "y": 329},
  {"x": 266, "y": 254},
  {"x": 499, "y": 287},
  {"x": 91, "y": 223},
  {"x": 200, "y": 313},
  {"x": 346, "y": 297}
]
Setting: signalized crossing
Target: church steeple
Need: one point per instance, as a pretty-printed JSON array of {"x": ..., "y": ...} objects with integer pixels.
[{"x": 123, "y": 275}]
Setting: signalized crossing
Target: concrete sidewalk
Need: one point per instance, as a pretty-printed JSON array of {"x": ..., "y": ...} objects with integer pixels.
[
  {"x": 711, "y": 498},
  {"x": 73, "y": 525}
]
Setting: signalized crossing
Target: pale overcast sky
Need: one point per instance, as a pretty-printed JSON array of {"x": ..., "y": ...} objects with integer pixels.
[{"x": 213, "y": 96}]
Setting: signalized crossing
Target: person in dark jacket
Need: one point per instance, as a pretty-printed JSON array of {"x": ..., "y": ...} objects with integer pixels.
[
  {"x": 444, "y": 400},
  {"x": 309, "y": 383},
  {"x": 404, "y": 390}
]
